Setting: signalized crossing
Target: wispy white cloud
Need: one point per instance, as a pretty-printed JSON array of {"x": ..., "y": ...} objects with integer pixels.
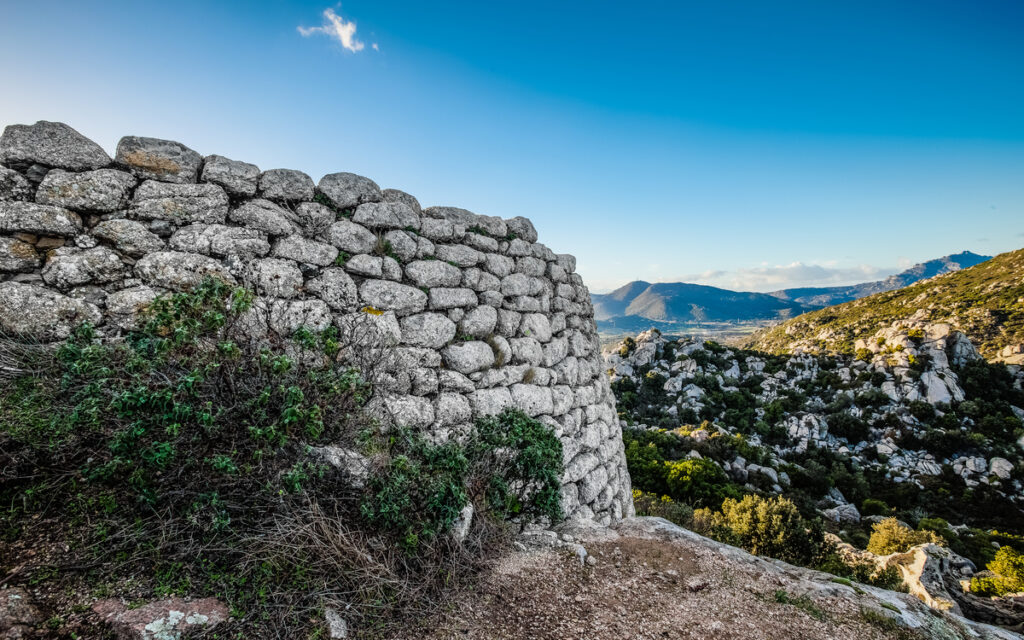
[
  {"x": 796, "y": 274},
  {"x": 339, "y": 29}
]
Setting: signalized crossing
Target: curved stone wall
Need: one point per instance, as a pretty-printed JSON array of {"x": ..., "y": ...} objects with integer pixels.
[{"x": 477, "y": 314}]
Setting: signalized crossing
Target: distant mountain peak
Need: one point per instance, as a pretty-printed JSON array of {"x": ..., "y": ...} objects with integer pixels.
[
  {"x": 629, "y": 291},
  {"x": 981, "y": 300},
  {"x": 827, "y": 296},
  {"x": 945, "y": 264},
  {"x": 687, "y": 302},
  {"x": 674, "y": 302}
]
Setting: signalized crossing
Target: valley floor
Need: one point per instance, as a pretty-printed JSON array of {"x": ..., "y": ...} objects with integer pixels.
[
  {"x": 649, "y": 579},
  {"x": 731, "y": 333}
]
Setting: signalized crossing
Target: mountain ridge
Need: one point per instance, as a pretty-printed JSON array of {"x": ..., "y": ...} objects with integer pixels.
[
  {"x": 828, "y": 296},
  {"x": 640, "y": 303},
  {"x": 985, "y": 302},
  {"x": 682, "y": 301}
]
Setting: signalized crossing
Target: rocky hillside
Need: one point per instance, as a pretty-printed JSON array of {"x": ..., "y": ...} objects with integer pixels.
[
  {"x": 827, "y": 296},
  {"x": 985, "y": 302},
  {"x": 919, "y": 405},
  {"x": 919, "y": 427}
]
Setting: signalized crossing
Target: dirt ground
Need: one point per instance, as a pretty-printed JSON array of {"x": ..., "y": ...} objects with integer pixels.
[
  {"x": 640, "y": 589},
  {"x": 632, "y": 587}
]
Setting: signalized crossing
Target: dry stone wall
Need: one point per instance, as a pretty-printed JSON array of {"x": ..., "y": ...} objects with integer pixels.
[{"x": 477, "y": 314}]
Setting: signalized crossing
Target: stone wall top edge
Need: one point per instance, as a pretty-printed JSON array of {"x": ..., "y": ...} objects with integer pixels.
[{"x": 55, "y": 145}]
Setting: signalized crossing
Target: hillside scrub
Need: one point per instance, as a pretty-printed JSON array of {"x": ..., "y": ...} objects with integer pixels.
[
  {"x": 766, "y": 527},
  {"x": 649, "y": 504},
  {"x": 771, "y": 527},
  {"x": 697, "y": 481},
  {"x": 832, "y": 434},
  {"x": 652, "y": 453},
  {"x": 1008, "y": 574},
  {"x": 659, "y": 464},
  {"x": 983, "y": 301},
  {"x": 187, "y": 459},
  {"x": 890, "y": 536},
  {"x": 706, "y": 502}
]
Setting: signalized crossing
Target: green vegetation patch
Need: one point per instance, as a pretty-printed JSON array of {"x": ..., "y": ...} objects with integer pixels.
[
  {"x": 1008, "y": 574},
  {"x": 510, "y": 466},
  {"x": 766, "y": 526},
  {"x": 889, "y": 536},
  {"x": 803, "y": 602},
  {"x": 183, "y": 460}
]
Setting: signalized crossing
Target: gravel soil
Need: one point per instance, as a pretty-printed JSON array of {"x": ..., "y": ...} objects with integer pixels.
[{"x": 641, "y": 589}]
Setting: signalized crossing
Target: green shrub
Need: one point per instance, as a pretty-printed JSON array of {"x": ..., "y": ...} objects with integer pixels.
[
  {"x": 989, "y": 382},
  {"x": 939, "y": 527},
  {"x": 714, "y": 347},
  {"x": 520, "y": 459},
  {"x": 812, "y": 478},
  {"x": 922, "y": 410},
  {"x": 647, "y": 467},
  {"x": 872, "y": 398},
  {"x": 863, "y": 572},
  {"x": 420, "y": 491},
  {"x": 843, "y": 425},
  {"x": 188, "y": 390},
  {"x": 644, "y": 400},
  {"x": 628, "y": 346},
  {"x": 697, "y": 481},
  {"x": 649, "y": 504},
  {"x": 180, "y": 460},
  {"x": 511, "y": 466},
  {"x": 1008, "y": 567},
  {"x": 767, "y": 526},
  {"x": 168, "y": 450},
  {"x": 874, "y": 507},
  {"x": 890, "y": 536},
  {"x": 888, "y": 578}
]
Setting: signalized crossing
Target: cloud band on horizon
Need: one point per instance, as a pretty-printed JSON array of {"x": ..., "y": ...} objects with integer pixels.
[
  {"x": 795, "y": 274},
  {"x": 767, "y": 278}
]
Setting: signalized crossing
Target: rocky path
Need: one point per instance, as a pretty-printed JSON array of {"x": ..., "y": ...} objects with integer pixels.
[{"x": 648, "y": 579}]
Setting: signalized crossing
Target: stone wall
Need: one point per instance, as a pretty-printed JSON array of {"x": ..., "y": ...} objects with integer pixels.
[{"x": 479, "y": 315}]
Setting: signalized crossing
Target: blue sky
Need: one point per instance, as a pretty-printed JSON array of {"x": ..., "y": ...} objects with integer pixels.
[{"x": 750, "y": 145}]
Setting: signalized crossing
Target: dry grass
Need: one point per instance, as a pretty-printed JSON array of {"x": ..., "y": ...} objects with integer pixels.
[{"x": 22, "y": 356}]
